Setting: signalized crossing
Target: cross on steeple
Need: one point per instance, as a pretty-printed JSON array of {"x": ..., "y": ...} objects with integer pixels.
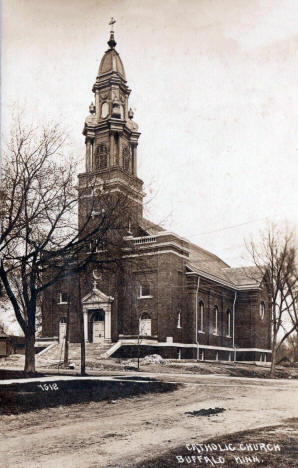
[
  {"x": 111, "y": 23},
  {"x": 112, "y": 43}
]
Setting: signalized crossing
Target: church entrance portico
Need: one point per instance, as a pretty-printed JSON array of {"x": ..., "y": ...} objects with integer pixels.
[{"x": 97, "y": 316}]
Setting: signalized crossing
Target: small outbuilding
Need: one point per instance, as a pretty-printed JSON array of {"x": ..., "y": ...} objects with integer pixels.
[{"x": 10, "y": 344}]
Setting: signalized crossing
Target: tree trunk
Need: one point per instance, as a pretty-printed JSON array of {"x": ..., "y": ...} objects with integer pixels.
[
  {"x": 29, "y": 352},
  {"x": 138, "y": 354},
  {"x": 273, "y": 358},
  {"x": 83, "y": 350}
]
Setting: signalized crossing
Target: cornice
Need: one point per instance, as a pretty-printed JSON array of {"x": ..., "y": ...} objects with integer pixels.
[{"x": 110, "y": 124}]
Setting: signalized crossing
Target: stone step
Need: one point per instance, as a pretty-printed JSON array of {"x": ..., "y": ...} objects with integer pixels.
[{"x": 93, "y": 350}]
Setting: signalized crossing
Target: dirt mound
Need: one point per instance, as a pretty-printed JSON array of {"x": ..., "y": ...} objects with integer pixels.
[{"x": 152, "y": 359}]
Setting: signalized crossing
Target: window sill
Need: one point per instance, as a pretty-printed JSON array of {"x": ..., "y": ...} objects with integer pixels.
[
  {"x": 228, "y": 336},
  {"x": 62, "y": 303},
  {"x": 215, "y": 334},
  {"x": 145, "y": 297},
  {"x": 202, "y": 332}
]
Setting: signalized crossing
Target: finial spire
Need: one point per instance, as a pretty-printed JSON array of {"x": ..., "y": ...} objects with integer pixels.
[{"x": 112, "y": 43}]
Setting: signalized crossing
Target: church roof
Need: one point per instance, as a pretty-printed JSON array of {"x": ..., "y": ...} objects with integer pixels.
[
  {"x": 244, "y": 276},
  {"x": 150, "y": 228},
  {"x": 111, "y": 62},
  {"x": 204, "y": 258},
  {"x": 235, "y": 278},
  {"x": 206, "y": 263}
]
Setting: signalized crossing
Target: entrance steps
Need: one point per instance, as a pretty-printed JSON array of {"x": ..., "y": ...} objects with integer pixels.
[{"x": 94, "y": 352}]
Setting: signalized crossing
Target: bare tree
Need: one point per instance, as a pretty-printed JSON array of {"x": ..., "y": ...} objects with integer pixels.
[
  {"x": 292, "y": 343},
  {"x": 40, "y": 242},
  {"x": 275, "y": 258},
  {"x": 289, "y": 349}
]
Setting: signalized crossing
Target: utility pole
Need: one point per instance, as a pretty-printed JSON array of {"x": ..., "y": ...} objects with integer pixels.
[
  {"x": 67, "y": 332},
  {"x": 83, "y": 345}
]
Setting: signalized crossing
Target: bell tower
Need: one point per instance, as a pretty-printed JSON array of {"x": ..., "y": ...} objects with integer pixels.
[{"x": 111, "y": 135}]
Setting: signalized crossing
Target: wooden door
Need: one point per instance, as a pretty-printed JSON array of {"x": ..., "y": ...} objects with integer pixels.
[
  {"x": 145, "y": 327},
  {"x": 98, "y": 332}
]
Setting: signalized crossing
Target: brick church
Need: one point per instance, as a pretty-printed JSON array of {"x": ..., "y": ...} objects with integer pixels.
[{"x": 171, "y": 297}]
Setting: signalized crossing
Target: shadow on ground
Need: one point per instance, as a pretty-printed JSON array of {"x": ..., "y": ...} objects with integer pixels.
[{"x": 24, "y": 397}]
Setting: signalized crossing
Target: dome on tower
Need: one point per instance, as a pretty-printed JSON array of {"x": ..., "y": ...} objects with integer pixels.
[{"x": 111, "y": 62}]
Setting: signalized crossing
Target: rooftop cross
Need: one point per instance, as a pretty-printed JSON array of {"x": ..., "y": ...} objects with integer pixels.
[
  {"x": 112, "y": 43},
  {"x": 111, "y": 23}
]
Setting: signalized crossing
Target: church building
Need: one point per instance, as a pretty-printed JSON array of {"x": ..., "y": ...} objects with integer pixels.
[{"x": 169, "y": 296}]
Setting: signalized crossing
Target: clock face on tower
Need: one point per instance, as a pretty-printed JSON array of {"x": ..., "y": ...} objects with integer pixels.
[{"x": 104, "y": 110}]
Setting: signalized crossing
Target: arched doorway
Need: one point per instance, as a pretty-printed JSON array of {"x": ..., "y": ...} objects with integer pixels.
[
  {"x": 62, "y": 329},
  {"x": 145, "y": 325},
  {"x": 97, "y": 328}
]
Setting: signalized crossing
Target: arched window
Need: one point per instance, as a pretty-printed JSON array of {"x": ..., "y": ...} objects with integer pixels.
[
  {"x": 129, "y": 226},
  {"x": 101, "y": 156},
  {"x": 262, "y": 310},
  {"x": 179, "y": 320},
  {"x": 228, "y": 323},
  {"x": 116, "y": 149},
  {"x": 126, "y": 159},
  {"x": 201, "y": 318},
  {"x": 215, "y": 320}
]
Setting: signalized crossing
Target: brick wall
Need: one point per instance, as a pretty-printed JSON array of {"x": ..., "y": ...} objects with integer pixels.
[{"x": 173, "y": 293}]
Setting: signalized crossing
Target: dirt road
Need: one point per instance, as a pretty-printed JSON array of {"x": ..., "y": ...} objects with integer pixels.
[{"x": 131, "y": 430}]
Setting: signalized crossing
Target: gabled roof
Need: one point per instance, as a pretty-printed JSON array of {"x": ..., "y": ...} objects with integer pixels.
[
  {"x": 234, "y": 278},
  {"x": 205, "y": 259},
  {"x": 96, "y": 296}
]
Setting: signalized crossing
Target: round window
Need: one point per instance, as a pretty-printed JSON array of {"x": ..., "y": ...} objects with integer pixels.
[{"x": 104, "y": 110}]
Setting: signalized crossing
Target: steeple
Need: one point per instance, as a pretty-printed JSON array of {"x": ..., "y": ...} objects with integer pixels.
[{"x": 111, "y": 135}]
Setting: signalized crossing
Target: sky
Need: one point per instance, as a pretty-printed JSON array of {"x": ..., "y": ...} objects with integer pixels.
[{"x": 214, "y": 90}]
